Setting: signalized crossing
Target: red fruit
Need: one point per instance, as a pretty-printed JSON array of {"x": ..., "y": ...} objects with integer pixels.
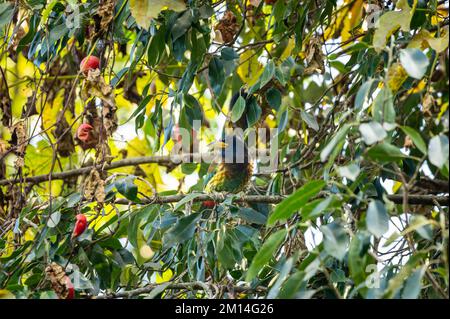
[
  {"x": 176, "y": 134},
  {"x": 80, "y": 225},
  {"x": 209, "y": 203},
  {"x": 89, "y": 63},
  {"x": 70, "y": 288},
  {"x": 84, "y": 132}
]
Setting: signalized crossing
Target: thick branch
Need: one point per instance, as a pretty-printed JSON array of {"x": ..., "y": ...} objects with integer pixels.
[
  {"x": 161, "y": 160},
  {"x": 177, "y": 286},
  {"x": 275, "y": 199},
  {"x": 440, "y": 186}
]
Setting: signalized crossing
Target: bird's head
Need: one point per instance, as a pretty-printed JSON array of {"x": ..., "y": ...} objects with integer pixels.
[{"x": 232, "y": 149}]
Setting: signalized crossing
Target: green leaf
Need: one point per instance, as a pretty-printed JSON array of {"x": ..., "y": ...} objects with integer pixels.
[
  {"x": 186, "y": 199},
  {"x": 216, "y": 74},
  {"x": 273, "y": 97},
  {"x": 253, "y": 112},
  {"x": 415, "y": 62},
  {"x": 357, "y": 260},
  {"x": 425, "y": 230},
  {"x": 54, "y": 219},
  {"x": 183, "y": 229},
  {"x": 182, "y": 24},
  {"x": 238, "y": 109},
  {"x": 413, "y": 285},
  {"x": 385, "y": 152},
  {"x": 363, "y": 93},
  {"x": 157, "y": 290},
  {"x": 350, "y": 172},
  {"x": 6, "y": 13},
  {"x": 284, "y": 273},
  {"x": 372, "y": 132},
  {"x": 389, "y": 22},
  {"x": 383, "y": 106},
  {"x": 310, "y": 120},
  {"x": 397, "y": 282},
  {"x": 252, "y": 216},
  {"x": 268, "y": 74},
  {"x": 228, "y": 54},
  {"x": 135, "y": 223},
  {"x": 335, "y": 240},
  {"x": 316, "y": 208},
  {"x": 295, "y": 201},
  {"x": 156, "y": 47},
  {"x": 265, "y": 253},
  {"x": 416, "y": 138},
  {"x": 292, "y": 285},
  {"x": 377, "y": 219},
  {"x": 337, "y": 138},
  {"x": 438, "y": 150},
  {"x": 127, "y": 188}
]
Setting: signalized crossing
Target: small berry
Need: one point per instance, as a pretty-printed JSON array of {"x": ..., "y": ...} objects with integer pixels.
[
  {"x": 89, "y": 63},
  {"x": 84, "y": 131},
  {"x": 80, "y": 225}
]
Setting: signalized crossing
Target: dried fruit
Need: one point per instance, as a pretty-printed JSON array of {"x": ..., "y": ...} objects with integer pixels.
[
  {"x": 94, "y": 188},
  {"x": 95, "y": 85},
  {"x": 314, "y": 57},
  {"x": 60, "y": 282},
  {"x": 106, "y": 12},
  {"x": 228, "y": 27},
  {"x": 65, "y": 145}
]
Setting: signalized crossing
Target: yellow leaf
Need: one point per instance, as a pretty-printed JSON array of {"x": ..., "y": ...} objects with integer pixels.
[
  {"x": 6, "y": 294},
  {"x": 418, "y": 88},
  {"x": 101, "y": 220},
  {"x": 444, "y": 108},
  {"x": 424, "y": 38},
  {"x": 250, "y": 69},
  {"x": 352, "y": 20},
  {"x": 145, "y": 10},
  {"x": 389, "y": 22},
  {"x": 287, "y": 52},
  {"x": 9, "y": 247},
  {"x": 164, "y": 277},
  {"x": 30, "y": 234},
  {"x": 332, "y": 31},
  {"x": 396, "y": 186},
  {"x": 396, "y": 76}
]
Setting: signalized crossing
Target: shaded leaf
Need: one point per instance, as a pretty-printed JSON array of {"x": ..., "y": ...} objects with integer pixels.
[
  {"x": 265, "y": 253},
  {"x": 377, "y": 218},
  {"x": 295, "y": 201}
]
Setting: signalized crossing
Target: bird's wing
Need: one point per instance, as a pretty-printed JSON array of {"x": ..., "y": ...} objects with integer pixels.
[{"x": 212, "y": 169}]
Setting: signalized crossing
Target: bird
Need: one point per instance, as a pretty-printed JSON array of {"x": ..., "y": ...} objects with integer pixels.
[{"x": 234, "y": 168}]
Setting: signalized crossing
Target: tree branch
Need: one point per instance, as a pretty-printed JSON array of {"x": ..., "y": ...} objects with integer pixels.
[
  {"x": 275, "y": 199},
  {"x": 196, "y": 285},
  {"x": 169, "y": 161},
  {"x": 172, "y": 161}
]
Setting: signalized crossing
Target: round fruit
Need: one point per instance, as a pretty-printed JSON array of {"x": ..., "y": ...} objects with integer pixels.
[
  {"x": 209, "y": 203},
  {"x": 89, "y": 63},
  {"x": 83, "y": 132}
]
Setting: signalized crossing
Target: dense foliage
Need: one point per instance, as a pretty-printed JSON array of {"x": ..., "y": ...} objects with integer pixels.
[{"x": 355, "y": 90}]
